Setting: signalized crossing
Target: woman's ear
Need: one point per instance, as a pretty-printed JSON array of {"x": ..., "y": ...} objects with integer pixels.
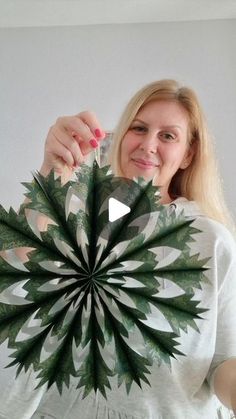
[{"x": 188, "y": 157}]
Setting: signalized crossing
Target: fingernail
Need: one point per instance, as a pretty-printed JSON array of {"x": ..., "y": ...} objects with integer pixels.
[
  {"x": 98, "y": 133},
  {"x": 93, "y": 143}
]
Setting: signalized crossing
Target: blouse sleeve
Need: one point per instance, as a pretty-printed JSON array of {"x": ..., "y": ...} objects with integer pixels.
[{"x": 225, "y": 273}]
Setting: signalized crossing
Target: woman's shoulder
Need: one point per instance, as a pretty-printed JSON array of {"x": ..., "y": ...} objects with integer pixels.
[{"x": 214, "y": 229}]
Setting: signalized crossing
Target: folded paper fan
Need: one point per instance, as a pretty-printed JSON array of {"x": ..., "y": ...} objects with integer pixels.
[{"x": 88, "y": 302}]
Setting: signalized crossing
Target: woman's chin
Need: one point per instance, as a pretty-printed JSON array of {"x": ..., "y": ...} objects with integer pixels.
[{"x": 145, "y": 174}]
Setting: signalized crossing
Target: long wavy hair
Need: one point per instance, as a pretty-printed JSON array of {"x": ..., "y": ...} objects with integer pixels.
[{"x": 200, "y": 181}]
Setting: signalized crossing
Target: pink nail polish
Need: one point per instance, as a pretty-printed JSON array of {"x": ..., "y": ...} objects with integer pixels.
[
  {"x": 98, "y": 132},
  {"x": 93, "y": 143}
]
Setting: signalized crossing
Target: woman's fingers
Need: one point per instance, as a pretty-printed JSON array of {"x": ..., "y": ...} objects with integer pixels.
[
  {"x": 69, "y": 148},
  {"x": 70, "y": 139},
  {"x": 84, "y": 124},
  {"x": 85, "y": 129},
  {"x": 90, "y": 119}
]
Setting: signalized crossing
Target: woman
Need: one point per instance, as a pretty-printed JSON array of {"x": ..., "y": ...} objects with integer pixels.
[{"x": 162, "y": 135}]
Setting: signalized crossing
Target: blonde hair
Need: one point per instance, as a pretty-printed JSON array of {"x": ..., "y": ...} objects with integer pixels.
[{"x": 200, "y": 181}]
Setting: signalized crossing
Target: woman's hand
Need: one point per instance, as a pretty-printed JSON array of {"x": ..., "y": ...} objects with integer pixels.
[
  {"x": 225, "y": 383},
  {"x": 68, "y": 141}
]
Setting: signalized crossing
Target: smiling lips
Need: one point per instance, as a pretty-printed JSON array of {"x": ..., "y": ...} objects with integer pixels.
[{"x": 144, "y": 164}]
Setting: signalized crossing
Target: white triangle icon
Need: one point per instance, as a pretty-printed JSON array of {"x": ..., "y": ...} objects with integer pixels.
[{"x": 116, "y": 209}]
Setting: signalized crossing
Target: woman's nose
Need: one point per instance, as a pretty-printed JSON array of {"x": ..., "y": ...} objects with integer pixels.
[{"x": 149, "y": 143}]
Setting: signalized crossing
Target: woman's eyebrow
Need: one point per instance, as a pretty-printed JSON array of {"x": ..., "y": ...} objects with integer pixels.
[
  {"x": 139, "y": 120},
  {"x": 171, "y": 126},
  {"x": 163, "y": 127}
]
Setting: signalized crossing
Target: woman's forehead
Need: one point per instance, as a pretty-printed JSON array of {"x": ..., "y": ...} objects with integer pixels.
[{"x": 170, "y": 111}]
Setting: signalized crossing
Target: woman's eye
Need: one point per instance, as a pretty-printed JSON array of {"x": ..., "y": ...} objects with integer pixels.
[
  {"x": 139, "y": 128},
  {"x": 167, "y": 136}
]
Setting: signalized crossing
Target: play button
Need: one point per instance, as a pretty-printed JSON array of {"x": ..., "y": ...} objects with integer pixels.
[
  {"x": 116, "y": 209},
  {"x": 123, "y": 206}
]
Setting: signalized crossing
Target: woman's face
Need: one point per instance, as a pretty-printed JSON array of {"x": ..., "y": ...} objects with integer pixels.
[{"x": 156, "y": 144}]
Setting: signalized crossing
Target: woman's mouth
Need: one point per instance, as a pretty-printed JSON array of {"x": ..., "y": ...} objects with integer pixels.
[{"x": 144, "y": 164}]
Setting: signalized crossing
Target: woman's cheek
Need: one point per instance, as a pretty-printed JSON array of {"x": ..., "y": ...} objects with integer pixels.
[{"x": 130, "y": 143}]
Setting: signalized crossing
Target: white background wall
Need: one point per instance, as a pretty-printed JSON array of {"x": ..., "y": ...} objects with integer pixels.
[{"x": 47, "y": 72}]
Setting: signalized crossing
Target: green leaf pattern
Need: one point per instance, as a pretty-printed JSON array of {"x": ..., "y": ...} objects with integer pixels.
[{"x": 90, "y": 290}]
